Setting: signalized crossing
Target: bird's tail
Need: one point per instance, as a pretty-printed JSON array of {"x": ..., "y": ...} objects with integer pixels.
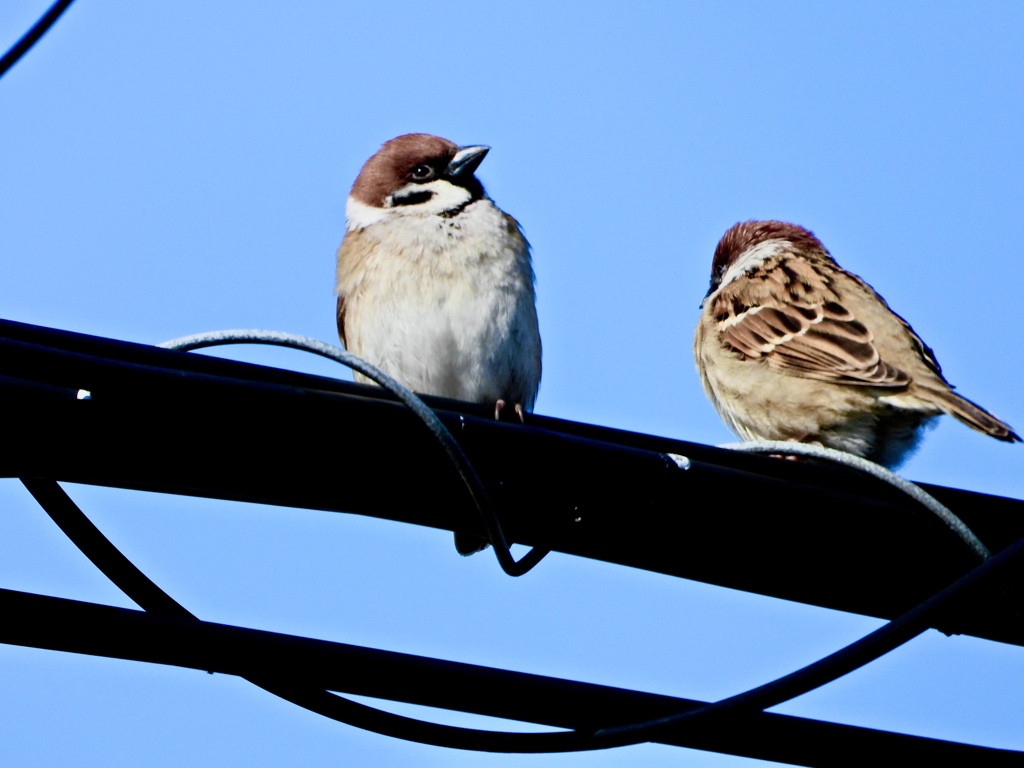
[{"x": 974, "y": 416}]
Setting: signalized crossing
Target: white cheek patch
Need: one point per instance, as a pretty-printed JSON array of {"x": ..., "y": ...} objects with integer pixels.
[
  {"x": 445, "y": 196},
  {"x": 360, "y": 215}
]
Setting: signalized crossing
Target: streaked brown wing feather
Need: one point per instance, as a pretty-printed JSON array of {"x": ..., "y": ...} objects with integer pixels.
[{"x": 787, "y": 314}]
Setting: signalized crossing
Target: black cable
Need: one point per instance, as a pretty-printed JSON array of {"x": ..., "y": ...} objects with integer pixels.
[
  {"x": 857, "y": 654},
  {"x": 127, "y": 577},
  {"x": 71, "y": 626},
  {"x": 853, "y": 656},
  {"x": 842, "y": 662},
  {"x": 31, "y": 37},
  {"x": 358, "y": 715},
  {"x": 124, "y": 574},
  {"x": 149, "y": 596}
]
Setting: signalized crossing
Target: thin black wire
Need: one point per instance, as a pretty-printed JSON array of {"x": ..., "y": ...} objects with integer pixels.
[
  {"x": 31, "y": 37},
  {"x": 425, "y": 414}
]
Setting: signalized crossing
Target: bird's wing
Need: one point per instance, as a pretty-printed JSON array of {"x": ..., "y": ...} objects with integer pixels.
[
  {"x": 352, "y": 254},
  {"x": 788, "y": 312},
  {"x": 926, "y": 353},
  {"x": 341, "y": 320}
]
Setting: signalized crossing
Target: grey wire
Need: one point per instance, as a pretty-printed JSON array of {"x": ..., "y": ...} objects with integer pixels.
[
  {"x": 458, "y": 457},
  {"x": 875, "y": 470}
]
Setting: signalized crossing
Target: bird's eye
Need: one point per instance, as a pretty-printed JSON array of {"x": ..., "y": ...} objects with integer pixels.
[{"x": 422, "y": 172}]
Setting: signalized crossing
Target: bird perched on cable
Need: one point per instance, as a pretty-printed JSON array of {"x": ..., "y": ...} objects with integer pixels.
[
  {"x": 791, "y": 346},
  {"x": 435, "y": 284}
]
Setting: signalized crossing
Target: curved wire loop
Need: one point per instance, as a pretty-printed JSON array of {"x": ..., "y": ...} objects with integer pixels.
[
  {"x": 423, "y": 412},
  {"x": 126, "y": 576},
  {"x": 926, "y": 500}
]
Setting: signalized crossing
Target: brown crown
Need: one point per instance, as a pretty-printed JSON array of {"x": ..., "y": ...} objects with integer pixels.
[
  {"x": 389, "y": 169},
  {"x": 743, "y": 236}
]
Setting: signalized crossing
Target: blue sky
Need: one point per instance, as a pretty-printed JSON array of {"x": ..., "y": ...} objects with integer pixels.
[{"x": 175, "y": 167}]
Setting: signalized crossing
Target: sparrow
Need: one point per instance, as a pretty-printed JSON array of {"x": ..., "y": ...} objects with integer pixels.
[
  {"x": 435, "y": 283},
  {"x": 791, "y": 346}
]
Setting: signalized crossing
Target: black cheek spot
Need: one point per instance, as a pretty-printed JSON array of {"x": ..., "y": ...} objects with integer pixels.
[{"x": 414, "y": 198}]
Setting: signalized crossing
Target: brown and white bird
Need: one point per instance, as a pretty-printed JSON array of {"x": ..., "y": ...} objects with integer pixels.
[
  {"x": 791, "y": 346},
  {"x": 435, "y": 284}
]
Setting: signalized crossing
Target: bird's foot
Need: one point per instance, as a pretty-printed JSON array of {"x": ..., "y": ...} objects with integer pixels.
[
  {"x": 499, "y": 406},
  {"x": 792, "y": 457}
]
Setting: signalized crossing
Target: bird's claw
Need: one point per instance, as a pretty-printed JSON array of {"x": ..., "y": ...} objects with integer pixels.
[{"x": 499, "y": 406}]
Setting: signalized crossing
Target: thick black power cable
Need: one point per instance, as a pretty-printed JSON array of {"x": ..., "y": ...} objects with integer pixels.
[{"x": 31, "y": 37}]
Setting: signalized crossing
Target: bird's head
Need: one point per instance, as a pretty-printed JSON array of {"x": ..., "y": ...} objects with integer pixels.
[
  {"x": 748, "y": 244},
  {"x": 415, "y": 175}
]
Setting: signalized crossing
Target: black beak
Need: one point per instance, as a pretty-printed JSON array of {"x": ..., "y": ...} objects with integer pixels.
[
  {"x": 711, "y": 289},
  {"x": 466, "y": 161}
]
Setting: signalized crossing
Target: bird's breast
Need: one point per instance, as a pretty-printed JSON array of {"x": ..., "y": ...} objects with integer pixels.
[{"x": 446, "y": 305}]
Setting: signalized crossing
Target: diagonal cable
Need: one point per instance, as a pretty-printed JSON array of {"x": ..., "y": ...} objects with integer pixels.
[{"x": 31, "y": 37}]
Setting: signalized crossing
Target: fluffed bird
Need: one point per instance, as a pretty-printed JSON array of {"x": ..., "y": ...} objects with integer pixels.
[
  {"x": 791, "y": 346},
  {"x": 435, "y": 283}
]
